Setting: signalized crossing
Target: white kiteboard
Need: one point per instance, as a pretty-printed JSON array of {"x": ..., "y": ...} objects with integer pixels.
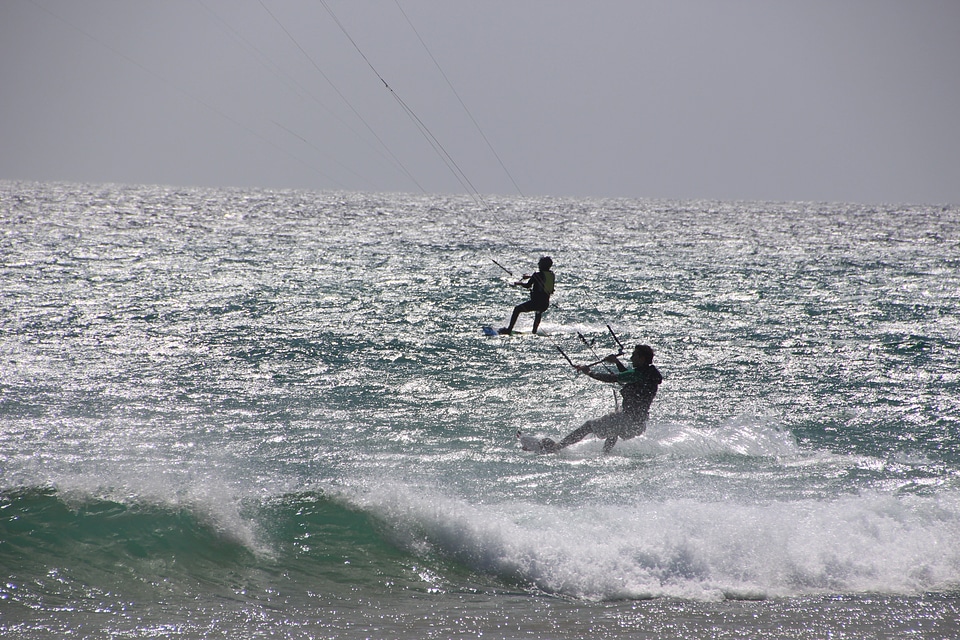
[{"x": 533, "y": 443}]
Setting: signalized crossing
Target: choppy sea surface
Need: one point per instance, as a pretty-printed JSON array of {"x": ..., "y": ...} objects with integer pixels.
[{"x": 236, "y": 413}]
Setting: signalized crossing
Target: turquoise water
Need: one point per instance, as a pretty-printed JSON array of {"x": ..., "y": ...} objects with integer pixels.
[{"x": 238, "y": 413}]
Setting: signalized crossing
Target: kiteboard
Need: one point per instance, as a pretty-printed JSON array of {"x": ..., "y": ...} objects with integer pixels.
[
  {"x": 492, "y": 333},
  {"x": 535, "y": 444}
]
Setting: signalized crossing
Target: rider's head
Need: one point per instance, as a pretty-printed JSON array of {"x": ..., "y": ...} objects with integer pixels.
[
  {"x": 545, "y": 263},
  {"x": 642, "y": 355}
]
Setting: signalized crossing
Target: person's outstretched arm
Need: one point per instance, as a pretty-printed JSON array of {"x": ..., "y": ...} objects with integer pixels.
[
  {"x": 615, "y": 360},
  {"x": 602, "y": 377}
]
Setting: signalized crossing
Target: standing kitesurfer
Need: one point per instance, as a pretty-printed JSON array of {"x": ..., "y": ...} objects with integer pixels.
[
  {"x": 541, "y": 288},
  {"x": 640, "y": 385}
]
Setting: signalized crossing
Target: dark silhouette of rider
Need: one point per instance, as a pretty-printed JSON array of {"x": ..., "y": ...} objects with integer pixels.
[
  {"x": 541, "y": 288},
  {"x": 640, "y": 386}
]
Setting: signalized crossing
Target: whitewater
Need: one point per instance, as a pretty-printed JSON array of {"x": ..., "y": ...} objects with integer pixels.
[{"x": 239, "y": 413}]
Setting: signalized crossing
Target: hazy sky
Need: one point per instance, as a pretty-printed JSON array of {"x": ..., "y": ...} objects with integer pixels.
[{"x": 814, "y": 100}]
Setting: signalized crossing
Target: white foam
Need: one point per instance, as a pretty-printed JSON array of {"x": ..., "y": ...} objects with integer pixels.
[
  {"x": 690, "y": 549},
  {"x": 739, "y": 437}
]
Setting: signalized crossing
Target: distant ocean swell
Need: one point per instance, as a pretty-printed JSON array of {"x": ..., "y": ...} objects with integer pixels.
[{"x": 393, "y": 537}]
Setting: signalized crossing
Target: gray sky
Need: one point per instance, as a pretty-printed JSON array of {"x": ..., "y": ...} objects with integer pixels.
[{"x": 813, "y": 100}]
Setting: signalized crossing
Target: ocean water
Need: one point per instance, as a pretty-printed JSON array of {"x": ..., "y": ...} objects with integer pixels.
[{"x": 246, "y": 414}]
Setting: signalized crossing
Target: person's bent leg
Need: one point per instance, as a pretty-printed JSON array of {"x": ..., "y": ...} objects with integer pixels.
[
  {"x": 513, "y": 319},
  {"x": 576, "y": 436},
  {"x": 536, "y": 320},
  {"x": 550, "y": 446},
  {"x": 606, "y": 427}
]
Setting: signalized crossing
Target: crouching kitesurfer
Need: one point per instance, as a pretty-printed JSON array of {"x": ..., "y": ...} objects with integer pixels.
[{"x": 639, "y": 387}]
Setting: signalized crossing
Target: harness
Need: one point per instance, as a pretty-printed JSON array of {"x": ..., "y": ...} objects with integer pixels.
[{"x": 548, "y": 282}]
